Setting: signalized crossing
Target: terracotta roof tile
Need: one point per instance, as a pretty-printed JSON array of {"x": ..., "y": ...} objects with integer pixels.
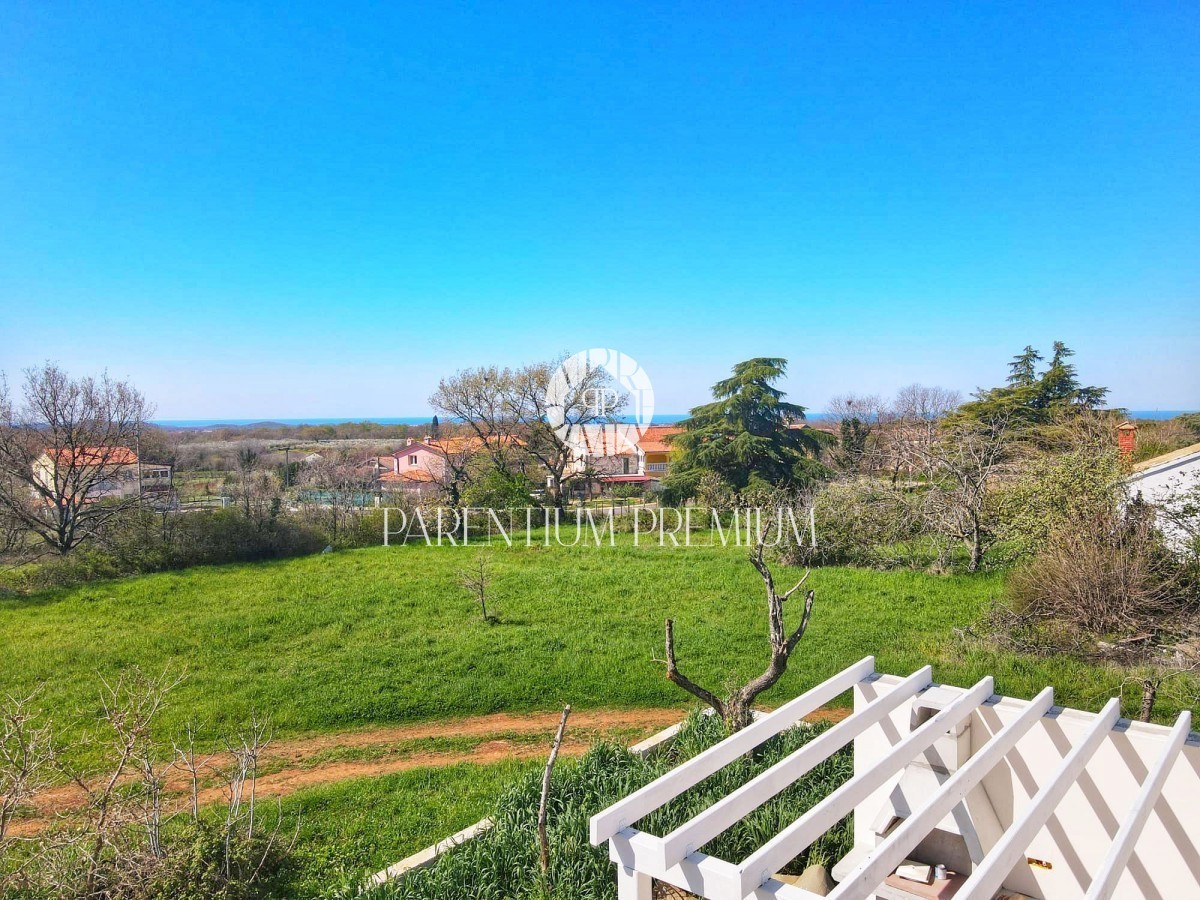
[{"x": 91, "y": 456}]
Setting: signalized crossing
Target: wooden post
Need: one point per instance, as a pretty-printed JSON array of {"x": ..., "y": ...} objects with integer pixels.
[
  {"x": 1149, "y": 695},
  {"x": 543, "y": 839}
]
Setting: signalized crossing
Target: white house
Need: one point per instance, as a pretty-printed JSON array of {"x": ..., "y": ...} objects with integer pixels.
[
  {"x": 1164, "y": 481},
  {"x": 59, "y": 469}
]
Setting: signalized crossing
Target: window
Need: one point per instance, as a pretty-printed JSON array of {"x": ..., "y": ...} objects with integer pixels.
[
  {"x": 625, "y": 465},
  {"x": 412, "y": 460}
]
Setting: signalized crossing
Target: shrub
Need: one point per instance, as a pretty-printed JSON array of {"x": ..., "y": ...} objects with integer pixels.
[
  {"x": 365, "y": 529},
  {"x": 124, "y": 842},
  {"x": 147, "y": 541},
  {"x": 1156, "y": 438},
  {"x": 195, "y": 867},
  {"x": 1190, "y": 421},
  {"x": 864, "y": 522},
  {"x": 679, "y": 487},
  {"x": 1094, "y": 578},
  {"x": 499, "y": 489},
  {"x": 628, "y": 491},
  {"x": 1053, "y": 493}
]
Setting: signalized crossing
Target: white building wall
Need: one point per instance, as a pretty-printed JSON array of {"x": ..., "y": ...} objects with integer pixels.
[{"x": 1163, "y": 484}]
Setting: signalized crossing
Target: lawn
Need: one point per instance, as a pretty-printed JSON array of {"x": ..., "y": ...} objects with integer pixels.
[
  {"x": 361, "y": 826},
  {"x": 386, "y": 635}
]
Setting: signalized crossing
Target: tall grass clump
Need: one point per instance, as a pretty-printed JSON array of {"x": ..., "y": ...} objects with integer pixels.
[{"x": 502, "y": 864}]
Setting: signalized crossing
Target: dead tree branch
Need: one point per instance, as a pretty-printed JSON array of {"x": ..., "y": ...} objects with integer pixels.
[
  {"x": 736, "y": 709},
  {"x": 543, "y": 839}
]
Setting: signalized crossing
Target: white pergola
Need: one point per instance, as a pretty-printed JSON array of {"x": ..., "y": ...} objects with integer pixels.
[{"x": 1043, "y": 801}]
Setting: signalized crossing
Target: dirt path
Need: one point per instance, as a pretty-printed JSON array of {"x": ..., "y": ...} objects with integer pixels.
[{"x": 291, "y": 765}]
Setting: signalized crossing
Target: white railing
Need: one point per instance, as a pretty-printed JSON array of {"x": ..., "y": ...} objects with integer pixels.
[{"x": 881, "y": 702}]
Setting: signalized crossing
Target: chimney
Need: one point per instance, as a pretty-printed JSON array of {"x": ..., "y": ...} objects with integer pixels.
[
  {"x": 409, "y": 443},
  {"x": 1126, "y": 441}
]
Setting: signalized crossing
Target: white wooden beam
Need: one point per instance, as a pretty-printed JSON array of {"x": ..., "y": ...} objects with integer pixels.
[
  {"x": 699, "y": 874},
  {"x": 660, "y": 791},
  {"x": 989, "y": 876},
  {"x": 634, "y": 885},
  {"x": 884, "y": 858},
  {"x": 778, "y": 851},
  {"x": 1105, "y": 882},
  {"x": 737, "y": 805}
]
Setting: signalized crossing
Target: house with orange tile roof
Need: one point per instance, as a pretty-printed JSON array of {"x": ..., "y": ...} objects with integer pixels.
[
  {"x": 422, "y": 467},
  {"x": 647, "y": 464},
  {"x": 123, "y": 474},
  {"x": 656, "y": 449}
]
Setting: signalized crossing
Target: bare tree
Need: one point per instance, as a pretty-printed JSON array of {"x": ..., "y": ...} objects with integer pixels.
[
  {"x": 521, "y": 426},
  {"x": 254, "y": 488},
  {"x": 483, "y": 399},
  {"x": 247, "y": 462},
  {"x": 128, "y": 706},
  {"x": 1155, "y": 675},
  {"x": 576, "y": 412},
  {"x": 858, "y": 420},
  {"x": 736, "y": 709},
  {"x": 962, "y": 465},
  {"x": 477, "y": 580},
  {"x": 921, "y": 403},
  {"x": 460, "y": 465},
  {"x": 914, "y": 419},
  {"x": 12, "y": 535},
  {"x": 67, "y": 454},
  {"x": 341, "y": 484},
  {"x": 246, "y": 752},
  {"x": 186, "y": 759},
  {"x": 25, "y": 752}
]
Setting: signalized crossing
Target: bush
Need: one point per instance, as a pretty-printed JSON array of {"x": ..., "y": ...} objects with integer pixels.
[
  {"x": 1190, "y": 421},
  {"x": 499, "y": 489},
  {"x": 679, "y": 487},
  {"x": 1094, "y": 578},
  {"x": 147, "y": 541},
  {"x": 83, "y": 564},
  {"x": 1055, "y": 493},
  {"x": 628, "y": 491},
  {"x": 124, "y": 842},
  {"x": 365, "y": 529},
  {"x": 864, "y": 522},
  {"x": 194, "y": 864}
]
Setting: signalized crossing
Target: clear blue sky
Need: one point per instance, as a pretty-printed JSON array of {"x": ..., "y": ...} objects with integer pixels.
[{"x": 304, "y": 209}]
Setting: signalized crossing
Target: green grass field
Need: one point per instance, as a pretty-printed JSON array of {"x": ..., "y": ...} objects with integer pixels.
[
  {"x": 386, "y": 635},
  {"x": 351, "y": 829}
]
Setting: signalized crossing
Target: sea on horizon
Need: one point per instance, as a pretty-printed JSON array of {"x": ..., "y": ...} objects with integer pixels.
[{"x": 659, "y": 419}]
